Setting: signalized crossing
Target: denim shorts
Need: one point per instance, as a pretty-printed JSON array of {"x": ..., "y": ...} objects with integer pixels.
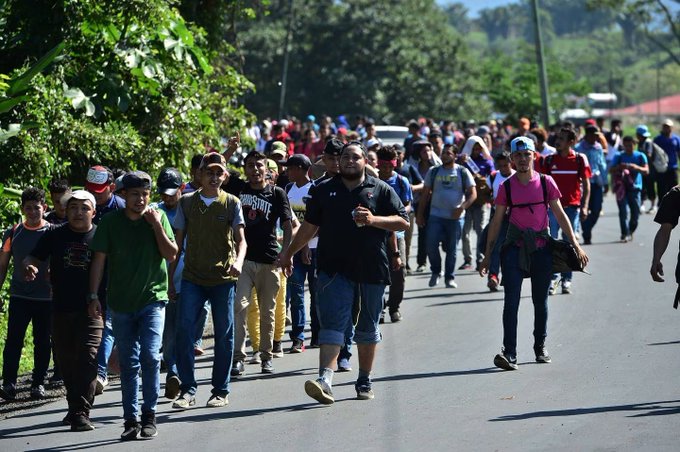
[{"x": 340, "y": 302}]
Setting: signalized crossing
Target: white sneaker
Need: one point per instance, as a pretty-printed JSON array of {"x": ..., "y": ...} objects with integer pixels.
[
  {"x": 102, "y": 382},
  {"x": 255, "y": 359}
]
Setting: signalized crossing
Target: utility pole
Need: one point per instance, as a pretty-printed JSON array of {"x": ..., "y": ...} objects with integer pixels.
[
  {"x": 286, "y": 52},
  {"x": 542, "y": 74}
]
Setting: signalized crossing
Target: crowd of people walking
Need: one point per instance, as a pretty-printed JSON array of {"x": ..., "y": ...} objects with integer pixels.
[{"x": 326, "y": 206}]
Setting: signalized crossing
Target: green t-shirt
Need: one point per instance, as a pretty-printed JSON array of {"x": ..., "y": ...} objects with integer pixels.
[{"x": 137, "y": 271}]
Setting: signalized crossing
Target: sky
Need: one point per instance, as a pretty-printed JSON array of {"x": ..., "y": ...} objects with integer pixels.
[{"x": 474, "y": 6}]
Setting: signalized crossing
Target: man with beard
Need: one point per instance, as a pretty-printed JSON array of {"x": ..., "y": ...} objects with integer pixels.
[{"x": 354, "y": 211}]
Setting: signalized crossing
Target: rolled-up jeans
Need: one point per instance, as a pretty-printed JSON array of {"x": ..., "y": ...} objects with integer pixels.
[
  {"x": 139, "y": 336},
  {"x": 342, "y": 302},
  {"x": 540, "y": 274}
]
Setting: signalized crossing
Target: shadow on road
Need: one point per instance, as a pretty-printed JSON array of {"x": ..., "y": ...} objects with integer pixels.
[
  {"x": 665, "y": 343},
  {"x": 664, "y": 408},
  {"x": 478, "y": 300},
  {"x": 453, "y": 373},
  {"x": 88, "y": 445},
  {"x": 441, "y": 294}
]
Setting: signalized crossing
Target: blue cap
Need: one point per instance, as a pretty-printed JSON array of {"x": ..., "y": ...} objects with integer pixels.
[
  {"x": 522, "y": 144},
  {"x": 643, "y": 131},
  {"x": 311, "y": 118}
]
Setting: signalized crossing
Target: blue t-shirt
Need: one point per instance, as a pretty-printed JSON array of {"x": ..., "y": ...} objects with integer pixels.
[
  {"x": 403, "y": 189},
  {"x": 637, "y": 158},
  {"x": 177, "y": 277},
  {"x": 598, "y": 164},
  {"x": 672, "y": 147},
  {"x": 448, "y": 187}
]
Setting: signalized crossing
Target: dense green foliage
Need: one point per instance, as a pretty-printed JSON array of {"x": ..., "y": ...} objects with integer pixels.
[
  {"x": 391, "y": 59},
  {"x": 138, "y": 87},
  {"x": 138, "y": 84}
]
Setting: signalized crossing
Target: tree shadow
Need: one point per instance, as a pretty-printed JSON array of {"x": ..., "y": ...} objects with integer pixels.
[{"x": 649, "y": 408}]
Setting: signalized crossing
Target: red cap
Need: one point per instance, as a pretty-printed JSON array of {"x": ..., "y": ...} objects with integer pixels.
[{"x": 98, "y": 179}]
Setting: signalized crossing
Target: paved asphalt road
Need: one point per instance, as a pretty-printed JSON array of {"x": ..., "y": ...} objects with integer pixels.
[{"x": 613, "y": 383}]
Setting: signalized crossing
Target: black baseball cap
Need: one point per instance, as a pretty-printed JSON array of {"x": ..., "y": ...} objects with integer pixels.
[
  {"x": 136, "y": 179},
  {"x": 333, "y": 147},
  {"x": 169, "y": 181},
  {"x": 299, "y": 160}
]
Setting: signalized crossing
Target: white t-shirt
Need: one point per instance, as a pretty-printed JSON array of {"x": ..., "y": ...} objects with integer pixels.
[
  {"x": 497, "y": 181},
  {"x": 547, "y": 150},
  {"x": 297, "y": 197}
]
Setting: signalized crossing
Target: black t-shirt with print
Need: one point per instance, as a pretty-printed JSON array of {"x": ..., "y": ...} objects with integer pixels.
[
  {"x": 70, "y": 258},
  {"x": 261, "y": 210},
  {"x": 359, "y": 253}
]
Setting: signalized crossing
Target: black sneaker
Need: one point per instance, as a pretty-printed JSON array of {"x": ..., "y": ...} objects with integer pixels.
[
  {"x": 172, "y": 387},
  {"x": 80, "y": 422},
  {"x": 131, "y": 429},
  {"x": 38, "y": 392},
  {"x": 237, "y": 369},
  {"x": 8, "y": 392},
  {"x": 67, "y": 419},
  {"x": 542, "y": 355},
  {"x": 297, "y": 347},
  {"x": 364, "y": 389},
  {"x": 505, "y": 361},
  {"x": 395, "y": 316},
  {"x": 277, "y": 349},
  {"x": 149, "y": 429},
  {"x": 267, "y": 366},
  {"x": 466, "y": 266}
]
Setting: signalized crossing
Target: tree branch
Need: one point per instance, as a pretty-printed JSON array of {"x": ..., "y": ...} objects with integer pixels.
[{"x": 663, "y": 46}]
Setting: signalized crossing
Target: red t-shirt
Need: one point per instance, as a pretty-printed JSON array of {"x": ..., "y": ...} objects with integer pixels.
[{"x": 568, "y": 174}]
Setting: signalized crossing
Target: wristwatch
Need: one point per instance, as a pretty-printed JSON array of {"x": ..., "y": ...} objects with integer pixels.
[
  {"x": 396, "y": 254},
  {"x": 93, "y": 296}
]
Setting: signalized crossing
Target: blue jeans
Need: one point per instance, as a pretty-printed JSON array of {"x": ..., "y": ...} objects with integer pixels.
[
  {"x": 541, "y": 264},
  {"x": 594, "y": 210},
  {"x": 200, "y": 323},
  {"x": 339, "y": 300},
  {"x": 139, "y": 336},
  {"x": 106, "y": 347},
  {"x": 170, "y": 334},
  {"x": 631, "y": 201},
  {"x": 296, "y": 293},
  {"x": 572, "y": 213},
  {"x": 448, "y": 232},
  {"x": 495, "y": 259},
  {"x": 190, "y": 305}
]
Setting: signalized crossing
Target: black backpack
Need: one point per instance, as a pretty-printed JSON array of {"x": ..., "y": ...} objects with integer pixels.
[{"x": 508, "y": 195}]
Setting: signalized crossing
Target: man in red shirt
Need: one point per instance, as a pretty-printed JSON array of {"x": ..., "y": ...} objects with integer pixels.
[{"x": 570, "y": 170}]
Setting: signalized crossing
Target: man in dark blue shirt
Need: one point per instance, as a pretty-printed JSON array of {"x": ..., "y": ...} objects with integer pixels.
[{"x": 670, "y": 143}]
